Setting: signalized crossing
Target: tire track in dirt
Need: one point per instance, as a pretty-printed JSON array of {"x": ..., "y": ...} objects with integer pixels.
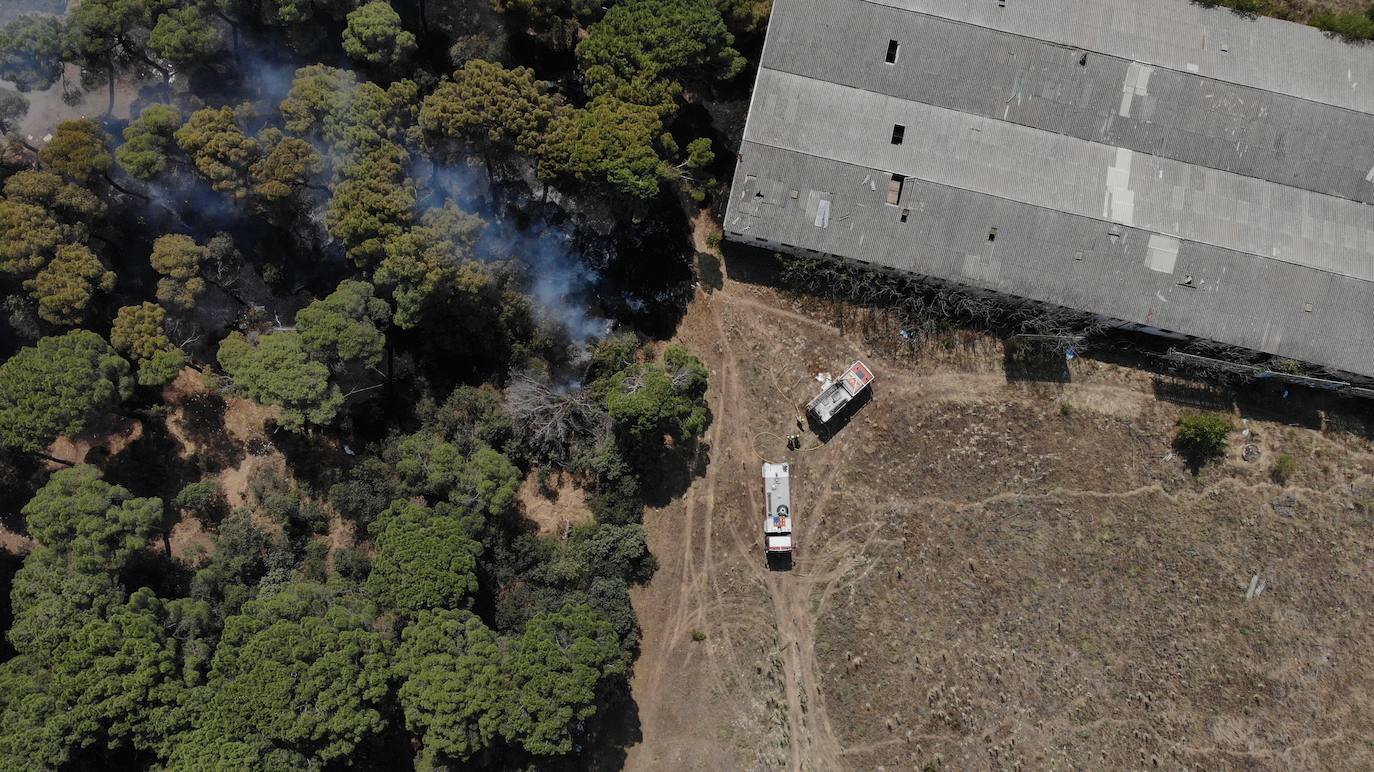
[{"x": 812, "y": 743}]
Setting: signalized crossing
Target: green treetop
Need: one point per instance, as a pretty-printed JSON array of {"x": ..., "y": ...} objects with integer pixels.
[
  {"x": 67, "y": 285},
  {"x": 429, "y": 264},
  {"x": 300, "y": 676},
  {"x": 219, "y": 149},
  {"x": 78, "y": 513},
  {"x": 374, "y": 36},
  {"x": 185, "y": 36},
  {"x": 55, "y": 387},
  {"x": 452, "y": 685},
  {"x": 643, "y": 49},
  {"x": 318, "y": 102},
  {"x": 138, "y": 334},
  {"x": 353, "y": 118},
  {"x": 73, "y": 205},
  {"x": 288, "y": 165},
  {"x": 649, "y": 401},
  {"x": 554, "y": 670},
  {"x": 31, "y": 52},
  {"x": 29, "y": 235},
  {"x": 147, "y": 141},
  {"x": 107, "y": 684},
  {"x": 483, "y": 482},
  {"x": 79, "y": 149},
  {"x": 279, "y": 371},
  {"x": 55, "y": 593},
  {"x": 425, "y": 560},
  {"x": 609, "y": 142},
  {"x": 178, "y": 259},
  {"x": 372, "y": 204},
  {"x": 491, "y": 107},
  {"x": 343, "y": 327}
]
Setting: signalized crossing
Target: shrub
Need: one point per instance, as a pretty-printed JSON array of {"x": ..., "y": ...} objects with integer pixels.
[
  {"x": 1284, "y": 467},
  {"x": 352, "y": 564},
  {"x": 1202, "y": 437},
  {"x": 1351, "y": 25},
  {"x": 1065, "y": 409},
  {"x": 201, "y": 498}
]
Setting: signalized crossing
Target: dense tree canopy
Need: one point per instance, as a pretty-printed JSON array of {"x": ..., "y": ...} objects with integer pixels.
[
  {"x": 452, "y": 685},
  {"x": 346, "y": 326},
  {"x": 67, "y": 285},
  {"x": 29, "y": 236},
  {"x": 644, "y": 50},
  {"x": 185, "y": 36},
  {"x": 31, "y": 52},
  {"x": 287, "y": 165},
  {"x": 219, "y": 148},
  {"x": 490, "y": 106},
  {"x": 279, "y": 371},
  {"x": 425, "y": 560},
  {"x": 177, "y": 257},
  {"x": 374, "y": 36},
  {"x": 57, "y": 386},
  {"x": 427, "y": 266},
  {"x": 78, "y": 150},
  {"x": 78, "y": 513},
  {"x": 300, "y": 675},
  {"x": 139, "y": 334},
  {"x": 652, "y": 400},
  {"x": 72, "y": 205},
  {"x": 373, "y": 203},
  {"x": 609, "y": 142},
  {"x": 344, "y": 573},
  {"x": 147, "y": 141}
]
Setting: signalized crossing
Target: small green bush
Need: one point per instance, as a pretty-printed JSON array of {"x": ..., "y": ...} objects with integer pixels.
[
  {"x": 713, "y": 239},
  {"x": 1351, "y": 25},
  {"x": 1202, "y": 437},
  {"x": 352, "y": 564},
  {"x": 201, "y": 498},
  {"x": 698, "y": 636},
  {"x": 1065, "y": 409},
  {"x": 1284, "y": 468}
]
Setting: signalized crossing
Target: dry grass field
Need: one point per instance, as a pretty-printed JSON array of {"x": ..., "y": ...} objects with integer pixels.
[{"x": 1000, "y": 573}]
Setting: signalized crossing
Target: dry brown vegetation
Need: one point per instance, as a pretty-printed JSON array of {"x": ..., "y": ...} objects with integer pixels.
[{"x": 986, "y": 579}]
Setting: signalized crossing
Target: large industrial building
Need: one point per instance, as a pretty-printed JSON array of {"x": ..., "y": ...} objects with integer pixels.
[{"x": 1169, "y": 167}]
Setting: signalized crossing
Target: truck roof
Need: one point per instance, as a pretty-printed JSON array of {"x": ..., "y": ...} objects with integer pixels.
[
  {"x": 777, "y": 488},
  {"x": 839, "y": 392}
]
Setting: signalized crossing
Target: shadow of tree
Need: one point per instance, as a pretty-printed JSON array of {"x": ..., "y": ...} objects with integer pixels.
[{"x": 666, "y": 471}]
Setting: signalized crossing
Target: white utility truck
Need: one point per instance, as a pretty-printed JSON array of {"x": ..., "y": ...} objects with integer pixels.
[
  {"x": 777, "y": 520},
  {"x": 840, "y": 392}
]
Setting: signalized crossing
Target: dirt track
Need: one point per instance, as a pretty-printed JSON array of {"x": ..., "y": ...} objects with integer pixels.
[{"x": 743, "y": 668}]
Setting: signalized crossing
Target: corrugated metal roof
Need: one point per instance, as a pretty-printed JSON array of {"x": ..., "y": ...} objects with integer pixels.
[
  {"x": 1064, "y": 173},
  {"x": 1054, "y": 257},
  {"x": 1098, "y": 97},
  {"x": 1267, "y": 54},
  {"x": 1119, "y": 186}
]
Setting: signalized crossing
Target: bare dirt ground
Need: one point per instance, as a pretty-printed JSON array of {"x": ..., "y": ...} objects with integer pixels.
[
  {"x": 557, "y": 509},
  {"x": 997, "y": 573}
]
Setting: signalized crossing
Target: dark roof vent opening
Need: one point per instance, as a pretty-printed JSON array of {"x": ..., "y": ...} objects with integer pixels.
[
  {"x": 905, "y": 214},
  {"x": 898, "y": 133},
  {"x": 892, "y": 49},
  {"x": 992, "y": 235}
]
